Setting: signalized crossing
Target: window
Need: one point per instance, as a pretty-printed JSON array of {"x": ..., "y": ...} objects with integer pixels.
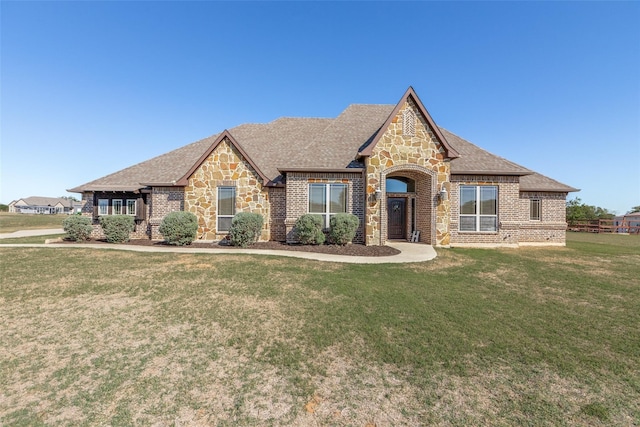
[
  {"x": 103, "y": 206},
  {"x": 327, "y": 200},
  {"x": 226, "y": 207},
  {"x": 400, "y": 184},
  {"x": 534, "y": 209},
  {"x": 116, "y": 207},
  {"x": 131, "y": 207},
  {"x": 478, "y": 208}
]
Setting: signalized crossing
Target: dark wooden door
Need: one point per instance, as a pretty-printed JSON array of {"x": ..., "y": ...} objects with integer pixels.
[{"x": 397, "y": 218}]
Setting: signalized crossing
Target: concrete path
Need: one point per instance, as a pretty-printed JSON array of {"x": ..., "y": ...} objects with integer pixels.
[
  {"x": 29, "y": 233},
  {"x": 409, "y": 252}
]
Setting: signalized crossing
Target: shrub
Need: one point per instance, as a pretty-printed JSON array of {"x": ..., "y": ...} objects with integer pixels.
[
  {"x": 342, "y": 228},
  {"x": 179, "y": 228},
  {"x": 117, "y": 227},
  {"x": 309, "y": 229},
  {"x": 245, "y": 228},
  {"x": 77, "y": 227}
]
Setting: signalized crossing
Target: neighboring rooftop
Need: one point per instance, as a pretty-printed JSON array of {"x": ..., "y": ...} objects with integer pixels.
[{"x": 45, "y": 201}]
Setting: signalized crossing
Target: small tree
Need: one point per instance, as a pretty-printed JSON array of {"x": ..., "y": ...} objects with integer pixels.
[
  {"x": 245, "y": 229},
  {"x": 77, "y": 227},
  {"x": 117, "y": 227},
  {"x": 342, "y": 228},
  {"x": 308, "y": 228},
  {"x": 179, "y": 228}
]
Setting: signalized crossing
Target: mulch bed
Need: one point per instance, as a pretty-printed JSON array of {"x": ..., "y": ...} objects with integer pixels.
[{"x": 347, "y": 250}]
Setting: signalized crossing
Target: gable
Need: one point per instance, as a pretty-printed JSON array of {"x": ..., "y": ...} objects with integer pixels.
[
  {"x": 229, "y": 140},
  {"x": 411, "y": 99}
]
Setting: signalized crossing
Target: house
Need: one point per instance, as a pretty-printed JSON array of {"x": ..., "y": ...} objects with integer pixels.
[
  {"x": 44, "y": 205},
  {"x": 390, "y": 165},
  {"x": 628, "y": 223}
]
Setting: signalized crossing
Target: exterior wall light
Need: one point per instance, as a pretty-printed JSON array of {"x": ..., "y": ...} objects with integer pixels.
[
  {"x": 378, "y": 194},
  {"x": 443, "y": 194}
]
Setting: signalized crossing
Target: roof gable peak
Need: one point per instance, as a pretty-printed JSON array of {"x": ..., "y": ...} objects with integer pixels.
[
  {"x": 223, "y": 135},
  {"x": 410, "y": 94}
]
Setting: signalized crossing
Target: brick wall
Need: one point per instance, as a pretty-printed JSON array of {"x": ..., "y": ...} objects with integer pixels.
[
  {"x": 509, "y": 211},
  {"x": 163, "y": 201},
  {"x": 141, "y": 230},
  {"x": 278, "y": 199},
  {"x": 297, "y": 197},
  {"x": 552, "y": 226},
  {"x": 514, "y": 224}
]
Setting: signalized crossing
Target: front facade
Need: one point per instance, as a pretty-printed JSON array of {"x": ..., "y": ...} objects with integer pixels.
[{"x": 390, "y": 165}]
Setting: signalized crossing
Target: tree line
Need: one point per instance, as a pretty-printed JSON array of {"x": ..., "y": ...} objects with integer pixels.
[{"x": 579, "y": 211}]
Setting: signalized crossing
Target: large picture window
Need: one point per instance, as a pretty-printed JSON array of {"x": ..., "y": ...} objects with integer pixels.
[
  {"x": 478, "y": 208},
  {"x": 327, "y": 200},
  {"x": 226, "y": 207}
]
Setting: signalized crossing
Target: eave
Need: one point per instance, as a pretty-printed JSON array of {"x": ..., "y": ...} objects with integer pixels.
[
  {"x": 184, "y": 181},
  {"x": 410, "y": 93}
]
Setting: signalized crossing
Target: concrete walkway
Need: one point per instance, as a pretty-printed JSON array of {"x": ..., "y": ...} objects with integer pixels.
[
  {"x": 409, "y": 252},
  {"x": 30, "y": 233}
]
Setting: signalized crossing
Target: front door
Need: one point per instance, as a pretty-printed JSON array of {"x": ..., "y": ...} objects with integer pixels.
[{"x": 397, "y": 218}]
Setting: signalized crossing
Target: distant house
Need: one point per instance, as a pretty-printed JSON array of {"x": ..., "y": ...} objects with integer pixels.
[
  {"x": 403, "y": 176},
  {"x": 45, "y": 205},
  {"x": 629, "y": 223}
]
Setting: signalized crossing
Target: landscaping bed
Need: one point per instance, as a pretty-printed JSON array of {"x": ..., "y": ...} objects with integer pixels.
[{"x": 346, "y": 250}]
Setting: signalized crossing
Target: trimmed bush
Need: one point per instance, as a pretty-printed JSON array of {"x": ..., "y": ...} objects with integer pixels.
[
  {"x": 116, "y": 228},
  {"x": 309, "y": 229},
  {"x": 179, "y": 228},
  {"x": 342, "y": 228},
  {"x": 77, "y": 227},
  {"x": 245, "y": 228}
]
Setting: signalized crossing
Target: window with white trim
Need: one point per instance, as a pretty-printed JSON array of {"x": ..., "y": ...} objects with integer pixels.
[
  {"x": 534, "y": 209},
  {"x": 116, "y": 207},
  {"x": 103, "y": 206},
  {"x": 131, "y": 207},
  {"x": 226, "y": 208},
  {"x": 479, "y": 208},
  {"x": 327, "y": 200}
]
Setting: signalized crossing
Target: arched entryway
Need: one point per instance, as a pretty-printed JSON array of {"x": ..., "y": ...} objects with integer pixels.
[{"x": 409, "y": 204}]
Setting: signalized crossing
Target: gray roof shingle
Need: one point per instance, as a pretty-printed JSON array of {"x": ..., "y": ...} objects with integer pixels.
[{"x": 310, "y": 143}]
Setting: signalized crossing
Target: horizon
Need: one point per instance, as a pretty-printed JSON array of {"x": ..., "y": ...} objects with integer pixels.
[{"x": 92, "y": 88}]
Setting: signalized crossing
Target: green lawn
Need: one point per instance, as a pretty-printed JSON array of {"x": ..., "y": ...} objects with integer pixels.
[
  {"x": 526, "y": 336},
  {"x": 10, "y": 222}
]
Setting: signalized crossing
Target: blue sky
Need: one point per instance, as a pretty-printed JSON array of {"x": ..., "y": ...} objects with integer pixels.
[{"x": 88, "y": 88}]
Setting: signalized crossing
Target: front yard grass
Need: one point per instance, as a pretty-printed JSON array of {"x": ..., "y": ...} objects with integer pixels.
[
  {"x": 10, "y": 222},
  {"x": 531, "y": 336}
]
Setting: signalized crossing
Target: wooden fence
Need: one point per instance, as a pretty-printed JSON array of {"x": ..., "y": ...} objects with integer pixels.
[{"x": 605, "y": 226}]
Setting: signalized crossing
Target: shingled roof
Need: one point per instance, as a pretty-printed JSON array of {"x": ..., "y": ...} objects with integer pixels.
[{"x": 289, "y": 144}]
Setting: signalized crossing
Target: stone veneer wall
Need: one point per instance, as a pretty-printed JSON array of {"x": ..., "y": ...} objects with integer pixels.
[
  {"x": 297, "y": 197},
  {"x": 225, "y": 166},
  {"x": 418, "y": 156},
  {"x": 552, "y": 226},
  {"x": 509, "y": 211}
]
